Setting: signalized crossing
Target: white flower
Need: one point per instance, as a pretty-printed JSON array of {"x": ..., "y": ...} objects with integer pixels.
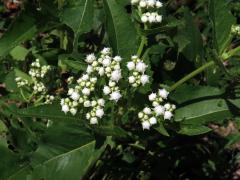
[
  {"x": 65, "y": 108},
  {"x": 173, "y": 107},
  {"x": 89, "y": 69},
  {"x": 134, "y": 1},
  {"x": 153, "y": 120},
  {"x": 85, "y": 77},
  {"x": 106, "y": 61},
  {"x": 115, "y": 96},
  {"x": 93, "y": 120},
  {"x": 152, "y": 97},
  {"x": 90, "y": 58},
  {"x": 146, "y": 125},
  {"x": 151, "y": 3},
  {"x": 131, "y": 79},
  {"x": 155, "y": 103},
  {"x": 158, "y": 18},
  {"x": 93, "y": 103},
  {"x": 70, "y": 91},
  {"x": 86, "y": 91},
  {"x": 116, "y": 75},
  {"x": 117, "y": 59},
  {"x": 88, "y": 116},
  {"x": 167, "y": 106},
  {"x": 75, "y": 96},
  {"x": 106, "y": 51},
  {"x": 101, "y": 102},
  {"x": 142, "y": 4},
  {"x": 87, "y": 104},
  {"x": 106, "y": 90},
  {"x": 152, "y": 18},
  {"x": 163, "y": 93},
  {"x": 147, "y": 110},
  {"x": 99, "y": 113},
  {"x": 158, "y": 4},
  {"x": 144, "y": 79},
  {"x": 73, "y": 111},
  {"x": 168, "y": 115},
  {"x": 140, "y": 115},
  {"x": 131, "y": 65},
  {"x": 141, "y": 67},
  {"x": 159, "y": 110},
  {"x": 101, "y": 71},
  {"x": 93, "y": 80},
  {"x": 144, "y": 18}
]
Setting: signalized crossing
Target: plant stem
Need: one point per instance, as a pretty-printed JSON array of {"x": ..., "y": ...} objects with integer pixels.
[
  {"x": 24, "y": 97},
  {"x": 191, "y": 75},
  {"x": 140, "y": 49}
]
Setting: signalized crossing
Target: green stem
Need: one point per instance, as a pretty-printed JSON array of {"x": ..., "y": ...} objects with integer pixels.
[
  {"x": 24, "y": 97},
  {"x": 191, "y": 75},
  {"x": 140, "y": 49}
]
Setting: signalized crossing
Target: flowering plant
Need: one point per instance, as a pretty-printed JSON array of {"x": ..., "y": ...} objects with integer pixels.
[{"x": 119, "y": 89}]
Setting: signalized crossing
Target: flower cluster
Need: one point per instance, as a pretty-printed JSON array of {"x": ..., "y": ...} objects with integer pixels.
[
  {"x": 69, "y": 106},
  {"x": 108, "y": 66},
  {"x": 96, "y": 112},
  {"x": 149, "y": 7},
  {"x": 150, "y": 116},
  {"x": 137, "y": 69},
  {"x": 37, "y": 73},
  {"x": 235, "y": 30}
]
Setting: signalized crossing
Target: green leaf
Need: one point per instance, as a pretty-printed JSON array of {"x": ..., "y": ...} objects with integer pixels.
[
  {"x": 189, "y": 92},
  {"x": 189, "y": 38},
  {"x": 193, "y": 130},
  {"x": 203, "y": 112},
  {"x": 235, "y": 102},
  {"x": 78, "y": 15},
  {"x": 23, "y": 29},
  {"x": 19, "y": 53},
  {"x": 161, "y": 129},
  {"x": 121, "y": 32},
  {"x": 23, "y": 75},
  {"x": 222, "y": 21}
]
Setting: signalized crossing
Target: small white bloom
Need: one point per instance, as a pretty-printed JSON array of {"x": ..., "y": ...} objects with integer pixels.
[
  {"x": 88, "y": 116},
  {"x": 73, "y": 111},
  {"x": 158, "y": 4},
  {"x": 101, "y": 71},
  {"x": 144, "y": 18},
  {"x": 75, "y": 96},
  {"x": 155, "y": 103},
  {"x": 116, "y": 75},
  {"x": 146, "y": 125},
  {"x": 152, "y": 18},
  {"x": 115, "y": 96},
  {"x": 93, "y": 103},
  {"x": 142, "y": 4},
  {"x": 106, "y": 51},
  {"x": 147, "y": 110},
  {"x": 93, "y": 80},
  {"x": 87, "y": 104},
  {"x": 151, "y": 3},
  {"x": 117, "y": 59},
  {"x": 70, "y": 91},
  {"x": 152, "y": 97},
  {"x": 93, "y": 120},
  {"x": 65, "y": 108},
  {"x": 167, "y": 106},
  {"x": 134, "y": 2},
  {"x": 106, "y": 90},
  {"x": 131, "y": 79},
  {"x": 106, "y": 62},
  {"x": 86, "y": 91},
  {"x": 158, "y": 18},
  {"x": 90, "y": 58},
  {"x": 101, "y": 102},
  {"x": 141, "y": 67},
  {"x": 140, "y": 115},
  {"x": 153, "y": 120},
  {"x": 89, "y": 69},
  {"x": 159, "y": 110},
  {"x": 131, "y": 66},
  {"x": 85, "y": 77},
  {"x": 173, "y": 107},
  {"x": 112, "y": 84},
  {"x": 163, "y": 93},
  {"x": 99, "y": 113},
  {"x": 144, "y": 79},
  {"x": 168, "y": 115}
]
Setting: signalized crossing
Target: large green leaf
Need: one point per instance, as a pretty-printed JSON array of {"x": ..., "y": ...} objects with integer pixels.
[
  {"x": 79, "y": 16},
  {"x": 23, "y": 29},
  {"x": 193, "y": 130},
  {"x": 121, "y": 32},
  {"x": 203, "y": 112},
  {"x": 222, "y": 21},
  {"x": 188, "y": 92}
]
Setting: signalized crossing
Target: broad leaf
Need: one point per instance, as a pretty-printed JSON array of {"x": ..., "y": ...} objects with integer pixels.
[
  {"x": 121, "y": 32},
  {"x": 193, "y": 130}
]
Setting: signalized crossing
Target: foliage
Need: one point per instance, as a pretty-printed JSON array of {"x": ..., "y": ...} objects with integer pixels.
[{"x": 191, "y": 49}]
